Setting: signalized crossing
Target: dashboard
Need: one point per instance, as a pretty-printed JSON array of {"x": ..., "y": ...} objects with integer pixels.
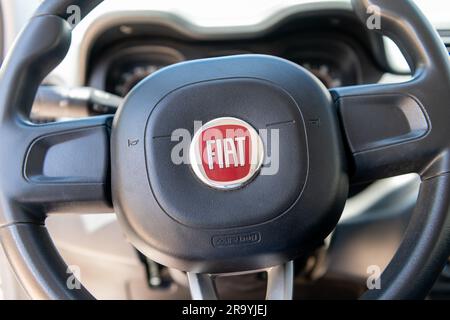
[{"x": 334, "y": 46}]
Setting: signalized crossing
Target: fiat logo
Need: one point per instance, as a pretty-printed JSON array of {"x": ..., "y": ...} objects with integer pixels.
[{"x": 226, "y": 153}]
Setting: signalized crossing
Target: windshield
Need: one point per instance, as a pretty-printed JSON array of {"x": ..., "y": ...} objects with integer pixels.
[
  {"x": 238, "y": 12},
  {"x": 249, "y": 12}
]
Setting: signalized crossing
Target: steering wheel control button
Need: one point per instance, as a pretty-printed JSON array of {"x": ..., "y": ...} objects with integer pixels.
[{"x": 226, "y": 153}]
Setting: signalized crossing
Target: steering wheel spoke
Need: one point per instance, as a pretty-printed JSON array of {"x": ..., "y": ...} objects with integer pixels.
[
  {"x": 280, "y": 283},
  {"x": 61, "y": 167},
  {"x": 202, "y": 286},
  {"x": 385, "y": 127}
]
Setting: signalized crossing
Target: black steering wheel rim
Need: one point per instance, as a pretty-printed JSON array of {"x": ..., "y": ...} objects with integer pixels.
[{"x": 25, "y": 198}]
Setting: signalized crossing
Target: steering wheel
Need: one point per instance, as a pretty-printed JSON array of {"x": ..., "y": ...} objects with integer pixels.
[{"x": 232, "y": 206}]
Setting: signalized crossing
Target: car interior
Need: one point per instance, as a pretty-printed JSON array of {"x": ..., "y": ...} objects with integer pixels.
[{"x": 92, "y": 94}]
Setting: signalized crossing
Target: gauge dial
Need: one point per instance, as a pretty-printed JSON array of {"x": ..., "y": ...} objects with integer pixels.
[
  {"x": 334, "y": 64},
  {"x": 329, "y": 77},
  {"x": 132, "y": 77},
  {"x": 136, "y": 63}
]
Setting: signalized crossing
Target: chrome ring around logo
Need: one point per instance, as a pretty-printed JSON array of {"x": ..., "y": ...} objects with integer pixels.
[{"x": 226, "y": 153}]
